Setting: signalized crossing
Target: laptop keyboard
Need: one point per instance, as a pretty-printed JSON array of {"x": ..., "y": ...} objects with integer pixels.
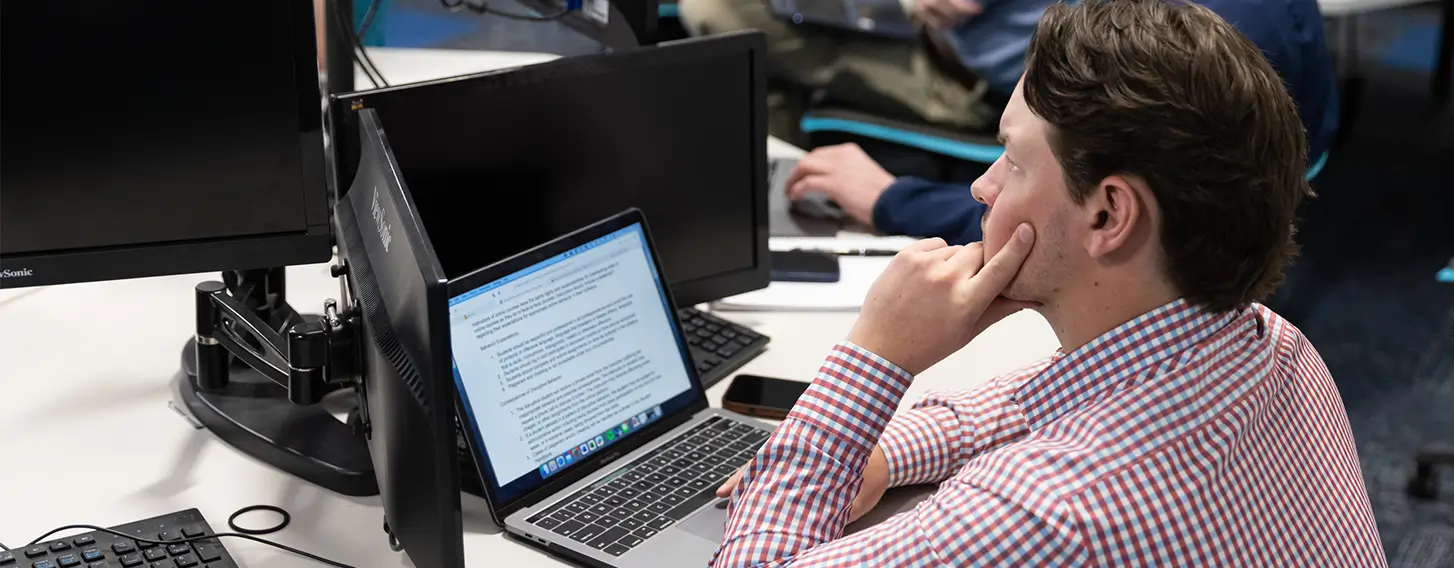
[{"x": 640, "y": 500}]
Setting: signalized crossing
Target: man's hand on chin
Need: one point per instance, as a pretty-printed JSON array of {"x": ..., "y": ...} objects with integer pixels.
[
  {"x": 846, "y": 174},
  {"x": 934, "y": 298}
]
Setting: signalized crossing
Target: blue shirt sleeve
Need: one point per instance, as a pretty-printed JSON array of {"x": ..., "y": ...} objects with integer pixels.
[{"x": 921, "y": 208}]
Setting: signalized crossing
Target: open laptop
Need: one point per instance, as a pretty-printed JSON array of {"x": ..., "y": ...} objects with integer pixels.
[
  {"x": 582, "y": 408},
  {"x": 885, "y": 18}
]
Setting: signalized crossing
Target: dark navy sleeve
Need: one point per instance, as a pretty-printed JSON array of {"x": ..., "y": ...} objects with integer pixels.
[{"x": 921, "y": 208}]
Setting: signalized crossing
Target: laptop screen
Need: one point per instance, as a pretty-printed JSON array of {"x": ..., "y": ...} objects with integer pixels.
[{"x": 566, "y": 357}]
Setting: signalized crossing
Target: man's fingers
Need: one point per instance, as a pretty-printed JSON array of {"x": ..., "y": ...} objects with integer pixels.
[
  {"x": 925, "y": 245},
  {"x": 812, "y": 182},
  {"x": 1000, "y": 270},
  {"x": 725, "y": 490},
  {"x": 966, "y": 8},
  {"x": 969, "y": 260}
]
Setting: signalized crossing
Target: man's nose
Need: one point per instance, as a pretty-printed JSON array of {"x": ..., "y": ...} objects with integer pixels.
[{"x": 985, "y": 189}]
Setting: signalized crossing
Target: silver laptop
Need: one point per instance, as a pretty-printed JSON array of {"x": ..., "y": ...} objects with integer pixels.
[{"x": 581, "y": 406}]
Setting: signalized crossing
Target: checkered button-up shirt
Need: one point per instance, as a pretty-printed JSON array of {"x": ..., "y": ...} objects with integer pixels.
[{"x": 1181, "y": 438}]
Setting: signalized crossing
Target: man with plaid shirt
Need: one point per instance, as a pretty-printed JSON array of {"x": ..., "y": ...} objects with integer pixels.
[{"x": 1144, "y": 205}]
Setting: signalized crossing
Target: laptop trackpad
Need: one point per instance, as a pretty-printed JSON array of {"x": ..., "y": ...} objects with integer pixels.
[{"x": 709, "y": 523}]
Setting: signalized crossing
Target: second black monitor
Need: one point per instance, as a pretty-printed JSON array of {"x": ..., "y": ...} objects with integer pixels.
[{"x": 500, "y": 162}]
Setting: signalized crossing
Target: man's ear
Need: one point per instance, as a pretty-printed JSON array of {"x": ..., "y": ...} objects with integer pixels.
[{"x": 1116, "y": 210}]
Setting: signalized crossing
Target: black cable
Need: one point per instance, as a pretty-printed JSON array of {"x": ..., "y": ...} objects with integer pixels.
[
  {"x": 368, "y": 19},
  {"x": 483, "y": 8},
  {"x": 3, "y": 547},
  {"x": 232, "y": 521},
  {"x": 360, "y": 55}
]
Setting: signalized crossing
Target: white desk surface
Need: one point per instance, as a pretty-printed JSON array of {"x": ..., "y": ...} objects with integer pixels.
[{"x": 87, "y": 436}]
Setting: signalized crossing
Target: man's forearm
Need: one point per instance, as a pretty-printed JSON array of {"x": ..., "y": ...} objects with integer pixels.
[{"x": 797, "y": 493}]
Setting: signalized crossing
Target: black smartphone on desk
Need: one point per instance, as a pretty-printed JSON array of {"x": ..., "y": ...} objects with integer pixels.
[
  {"x": 764, "y": 397},
  {"x": 804, "y": 266}
]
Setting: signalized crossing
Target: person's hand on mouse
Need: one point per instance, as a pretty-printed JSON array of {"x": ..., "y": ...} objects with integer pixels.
[
  {"x": 945, "y": 14},
  {"x": 934, "y": 298},
  {"x": 846, "y": 175},
  {"x": 875, "y": 483}
]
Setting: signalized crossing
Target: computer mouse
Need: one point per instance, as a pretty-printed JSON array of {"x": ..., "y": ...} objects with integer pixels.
[{"x": 818, "y": 206}]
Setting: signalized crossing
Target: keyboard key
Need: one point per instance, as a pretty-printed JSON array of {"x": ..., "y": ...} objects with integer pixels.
[
  {"x": 163, "y": 564},
  {"x": 644, "y": 516},
  {"x": 607, "y": 538},
  {"x": 130, "y": 560},
  {"x": 673, "y": 454},
  {"x": 673, "y": 499},
  {"x": 718, "y": 424},
  {"x": 616, "y": 549},
  {"x": 587, "y": 518},
  {"x": 699, "y": 484},
  {"x": 630, "y": 524},
  {"x": 633, "y": 475},
  {"x": 575, "y": 507},
  {"x": 190, "y": 532},
  {"x": 59, "y": 545},
  {"x": 656, "y": 477},
  {"x": 587, "y": 534},
  {"x": 756, "y": 436},
  {"x": 646, "y": 533},
  {"x": 724, "y": 470},
  {"x": 7, "y": 558},
  {"x": 685, "y": 491},
  {"x": 631, "y": 541},
  {"x": 608, "y": 521},
  {"x": 670, "y": 470},
  {"x": 101, "y": 564},
  {"x": 568, "y": 528},
  {"x": 675, "y": 482},
  {"x": 643, "y": 485},
  {"x": 154, "y": 555},
  {"x": 43, "y": 564},
  {"x": 123, "y": 547},
  {"x": 35, "y": 551},
  {"x": 212, "y": 552},
  {"x": 546, "y": 523},
  {"x": 658, "y": 507},
  {"x": 179, "y": 549},
  {"x": 649, "y": 496},
  {"x": 185, "y": 561},
  {"x": 601, "y": 508},
  {"x": 629, "y": 493},
  {"x": 714, "y": 460},
  {"x": 591, "y": 498},
  {"x": 634, "y": 505},
  {"x": 682, "y": 463},
  {"x": 68, "y": 560},
  {"x": 615, "y": 501},
  {"x": 615, "y": 485},
  {"x": 660, "y": 523},
  {"x": 84, "y": 540}
]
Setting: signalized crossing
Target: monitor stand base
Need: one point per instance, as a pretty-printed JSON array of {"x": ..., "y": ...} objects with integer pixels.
[{"x": 252, "y": 414}]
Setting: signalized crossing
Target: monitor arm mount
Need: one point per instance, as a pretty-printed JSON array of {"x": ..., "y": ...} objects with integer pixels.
[
  {"x": 318, "y": 356},
  {"x": 258, "y": 376}
]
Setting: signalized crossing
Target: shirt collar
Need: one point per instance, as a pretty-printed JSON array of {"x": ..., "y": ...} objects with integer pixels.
[{"x": 1081, "y": 376}]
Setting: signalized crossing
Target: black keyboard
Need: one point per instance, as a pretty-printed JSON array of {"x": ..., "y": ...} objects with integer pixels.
[
  {"x": 640, "y": 500},
  {"x": 98, "y": 549},
  {"x": 718, "y": 346}
]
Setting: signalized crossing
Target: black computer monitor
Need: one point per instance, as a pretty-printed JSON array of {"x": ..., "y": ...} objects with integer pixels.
[
  {"x": 507, "y": 160},
  {"x": 152, "y": 137},
  {"x": 398, "y": 286}
]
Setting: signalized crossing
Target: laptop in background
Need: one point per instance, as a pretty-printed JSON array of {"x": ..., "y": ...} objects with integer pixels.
[
  {"x": 885, "y": 18},
  {"x": 582, "y": 409}
]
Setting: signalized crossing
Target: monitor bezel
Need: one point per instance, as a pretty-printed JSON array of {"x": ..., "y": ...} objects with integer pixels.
[
  {"x": 310, "y": 244},
  {"x": 344, "y": 111},
  {"x": 691, "y": 402}
]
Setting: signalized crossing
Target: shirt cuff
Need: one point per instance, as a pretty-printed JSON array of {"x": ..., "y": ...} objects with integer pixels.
[
  {"x": 916, "y": 446},
  {"x": 855, "y": 394}
]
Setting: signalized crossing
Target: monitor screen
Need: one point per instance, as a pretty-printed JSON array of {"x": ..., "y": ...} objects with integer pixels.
[
  {"x": 566, "y": 357},
  {"x": 153, "y": 124},
  {"x": 502, "y": 162}
]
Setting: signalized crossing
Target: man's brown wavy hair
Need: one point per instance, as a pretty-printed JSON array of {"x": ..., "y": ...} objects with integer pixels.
[{"x": 1170, "y": 92}]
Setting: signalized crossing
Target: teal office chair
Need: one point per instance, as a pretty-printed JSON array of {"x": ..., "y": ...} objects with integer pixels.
[{"x": 980, "y": 149}]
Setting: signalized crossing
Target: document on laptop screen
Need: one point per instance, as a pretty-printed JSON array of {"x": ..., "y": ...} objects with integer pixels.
[{"x": 559, "y": 352}]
